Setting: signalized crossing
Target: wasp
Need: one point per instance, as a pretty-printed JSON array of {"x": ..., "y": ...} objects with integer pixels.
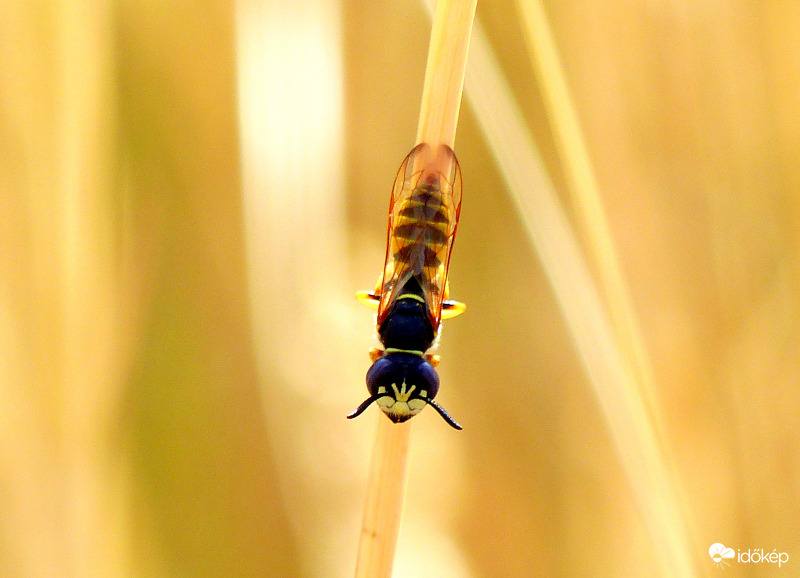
[{"x": 412, "y": 294}]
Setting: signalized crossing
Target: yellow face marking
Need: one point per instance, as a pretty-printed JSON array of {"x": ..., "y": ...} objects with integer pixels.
[
  {"x": 403, "y": 395},
  {"x": 402, "y": 404}
]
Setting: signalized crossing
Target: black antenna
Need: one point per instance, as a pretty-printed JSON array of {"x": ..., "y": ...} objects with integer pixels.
[
  {"x": 444, "y": 414},
  {"x": 364, "y": 405}
]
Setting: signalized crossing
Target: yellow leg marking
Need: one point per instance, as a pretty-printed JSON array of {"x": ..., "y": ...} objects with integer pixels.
[
  {"x": 452, "y": 308},
  {"x": 433, "y": 359},
  {"x": 368, "y": 298}
]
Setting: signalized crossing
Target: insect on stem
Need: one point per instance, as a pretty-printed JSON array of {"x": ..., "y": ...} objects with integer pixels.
[{"x": 412, "y": 296}]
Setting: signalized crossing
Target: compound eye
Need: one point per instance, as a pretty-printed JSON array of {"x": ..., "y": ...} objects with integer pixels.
[
  {"x": 396, "y": 368},
  {"x": 427, "y": 378},
  {"x": 381, "y": 374}
]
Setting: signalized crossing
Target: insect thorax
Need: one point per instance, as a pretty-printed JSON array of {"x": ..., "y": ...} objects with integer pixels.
[{"x": 407, "y": 326}]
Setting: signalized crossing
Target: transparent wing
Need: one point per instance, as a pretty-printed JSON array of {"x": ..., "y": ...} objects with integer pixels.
[{"x": 423, "y": 218}]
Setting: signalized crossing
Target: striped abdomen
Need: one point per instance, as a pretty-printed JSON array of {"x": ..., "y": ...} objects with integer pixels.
[{"x": 421, "y": 230}]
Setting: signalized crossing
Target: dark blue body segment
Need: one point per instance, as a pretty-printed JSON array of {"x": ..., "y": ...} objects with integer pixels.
[
  {"x": 403, "y": 376},
  {"x": 407, "y": 326}
]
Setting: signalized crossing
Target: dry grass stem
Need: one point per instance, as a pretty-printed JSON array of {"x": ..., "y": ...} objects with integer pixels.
[
  {"x": 441, "y": 101},
  {"x": 384, "y": 506},
  {"x": 607, "y": 364},
  {"x": 583, "y": 188},
  {"x": 444, "y": 74},
  {"x": 582, "y": 185}
]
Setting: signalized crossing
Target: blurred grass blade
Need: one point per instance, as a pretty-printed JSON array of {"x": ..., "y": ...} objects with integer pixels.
[
  {"x": 62, "y": 338},
  {"x": 291, "y": 106},
  {"x": 582, "y": 186},
  {"x": 607, "y": 365}
]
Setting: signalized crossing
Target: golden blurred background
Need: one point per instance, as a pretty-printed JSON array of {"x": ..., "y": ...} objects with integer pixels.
[{"x": 192, "y": 192}]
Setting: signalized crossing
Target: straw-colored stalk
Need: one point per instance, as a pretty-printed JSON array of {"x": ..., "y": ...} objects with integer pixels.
[
  {"x": 441, "y": 101},
  {"x": 605, "y": 334},
  {"x": 582, "y": 185}
]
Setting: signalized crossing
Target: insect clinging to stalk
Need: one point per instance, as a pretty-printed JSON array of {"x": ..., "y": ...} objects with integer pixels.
[{"x": 412, "y": 294}]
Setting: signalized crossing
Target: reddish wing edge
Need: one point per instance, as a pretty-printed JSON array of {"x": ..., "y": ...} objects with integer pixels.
[{"x": 421, "y": 246}]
